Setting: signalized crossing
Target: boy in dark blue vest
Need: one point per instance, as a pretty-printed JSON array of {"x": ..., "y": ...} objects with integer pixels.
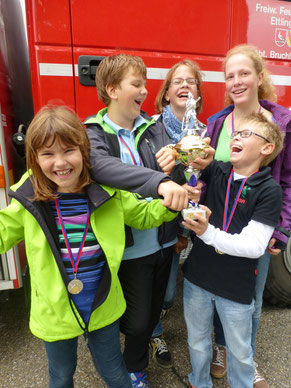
[{"x": 220, "y": 271}]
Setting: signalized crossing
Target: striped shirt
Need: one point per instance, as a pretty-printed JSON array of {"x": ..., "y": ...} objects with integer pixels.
[{"x": 74, "y": 208}]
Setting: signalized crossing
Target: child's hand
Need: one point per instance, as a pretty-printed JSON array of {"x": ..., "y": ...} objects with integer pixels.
[
  {"x": 200, "y": 224},
  {"x": 201, "y": 163},
  {"x": 194, "y": 192},
  {"x": 174, "y": 196},
  {"x": 271, "y": 247},
  {"x": 166, "y": 159},
  {"x": 181, "y": 244}
]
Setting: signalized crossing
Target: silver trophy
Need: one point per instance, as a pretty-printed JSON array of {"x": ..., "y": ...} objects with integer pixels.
[{"x": 189, "y": 148}]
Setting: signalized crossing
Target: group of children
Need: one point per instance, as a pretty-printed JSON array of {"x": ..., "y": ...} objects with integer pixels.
[{"x": 100, "y": 257}]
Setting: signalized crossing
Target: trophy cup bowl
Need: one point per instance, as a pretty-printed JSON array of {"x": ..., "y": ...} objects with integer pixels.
[{"x": 189, "y": 148}]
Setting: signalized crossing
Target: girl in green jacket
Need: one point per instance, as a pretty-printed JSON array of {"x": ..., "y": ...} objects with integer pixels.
[{"x": 74, "y": 232}]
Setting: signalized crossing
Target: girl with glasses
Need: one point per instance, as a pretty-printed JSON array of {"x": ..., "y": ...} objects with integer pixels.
[{"x": 182, "y": 78}]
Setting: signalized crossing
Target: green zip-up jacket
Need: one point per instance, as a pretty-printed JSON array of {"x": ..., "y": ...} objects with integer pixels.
[
  {"x": 150, "y": 138},
  {"x": 53, "y": 315},
  {"x": 107, "y": 167}
]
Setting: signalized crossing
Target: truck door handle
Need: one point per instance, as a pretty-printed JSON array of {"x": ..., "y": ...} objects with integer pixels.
[{"x": 87, "y": 65}]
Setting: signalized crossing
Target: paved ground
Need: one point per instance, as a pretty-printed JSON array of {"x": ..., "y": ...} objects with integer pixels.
[{"x": 23, "y": 361}]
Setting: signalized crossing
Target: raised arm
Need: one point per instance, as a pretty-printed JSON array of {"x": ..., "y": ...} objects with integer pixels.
[{"x": 111, "y": 171}]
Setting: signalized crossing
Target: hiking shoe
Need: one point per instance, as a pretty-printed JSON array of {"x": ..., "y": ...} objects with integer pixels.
[
  {"x": 164, "y": 312},
  {"x": 218, "y": 364},
  {"x": 259, "y": 381},
  {"x": 138, "y": 380},
  {"x": 161, "y": 352}
]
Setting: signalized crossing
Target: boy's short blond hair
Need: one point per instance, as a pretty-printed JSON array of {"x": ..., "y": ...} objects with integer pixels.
[
  {"x": 111, "y": 71},
  {"x": 270, "y": 131}
]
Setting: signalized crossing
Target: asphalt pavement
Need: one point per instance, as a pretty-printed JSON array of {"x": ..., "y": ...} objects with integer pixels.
[{"x": 23, "y": 362}]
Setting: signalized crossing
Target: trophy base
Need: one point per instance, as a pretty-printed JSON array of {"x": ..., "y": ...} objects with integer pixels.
[{"x": 192, "y": 213}]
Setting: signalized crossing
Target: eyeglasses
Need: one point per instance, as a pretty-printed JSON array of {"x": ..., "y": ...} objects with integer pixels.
[
  {"x": 180, "y": 81},
  {"x": 247, "y": 133}
]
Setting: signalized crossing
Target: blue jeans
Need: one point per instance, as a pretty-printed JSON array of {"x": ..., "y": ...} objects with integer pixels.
[
  {"x": 236, "y": 320},
  {"x": 104, "y": 346},
  {"x": 262, "y": 273},
  {"x": 171, "y": 292}
]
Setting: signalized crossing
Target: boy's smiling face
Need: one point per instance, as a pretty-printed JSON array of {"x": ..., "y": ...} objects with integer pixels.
[
  {"x": 127, "y": 98},
  {"x": 247, "y": 153}
]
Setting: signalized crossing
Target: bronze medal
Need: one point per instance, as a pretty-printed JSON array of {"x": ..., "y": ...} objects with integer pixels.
[{"x": 75, "y": 286}]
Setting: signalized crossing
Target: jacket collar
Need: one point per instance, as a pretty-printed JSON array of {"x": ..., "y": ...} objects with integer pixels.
[
  {"x": 255, "y": 179},
  {"x": 98, "y": 118},
  {"x": 97, "y": 194}
]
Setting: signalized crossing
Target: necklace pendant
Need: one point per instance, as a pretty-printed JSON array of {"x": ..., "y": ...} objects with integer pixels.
[
  {"x": 75, "y": 286},
  {"x": 219, "y": 252}
]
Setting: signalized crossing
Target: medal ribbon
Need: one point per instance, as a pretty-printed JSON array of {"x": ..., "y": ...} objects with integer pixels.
[
  {"x": 130, "y": 152},
  {"x": 232, "y": 118},
  {"x": 227, "y": 221},
  {"x": 74, "y": 266}
]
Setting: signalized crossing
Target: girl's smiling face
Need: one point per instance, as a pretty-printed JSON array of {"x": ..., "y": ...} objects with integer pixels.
[
  {"x": 61, "y": 164},
  {"x": 241, "y": 79},
  {"x": 177, "y": 95}
]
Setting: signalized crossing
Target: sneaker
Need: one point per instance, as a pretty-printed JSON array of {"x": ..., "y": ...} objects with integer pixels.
[
  {"x": 161, "y": 352},
  {"x": 259, "y": 381},
  {"x": 164, "y": 312},
  {"x": 218, "y": 364},
  {"x": 138, "y": 380}
]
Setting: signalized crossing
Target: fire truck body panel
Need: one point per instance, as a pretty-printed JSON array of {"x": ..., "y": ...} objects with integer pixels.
[
  {"x": 160, "y": 34},
  {"x": 68, "y": 38}
]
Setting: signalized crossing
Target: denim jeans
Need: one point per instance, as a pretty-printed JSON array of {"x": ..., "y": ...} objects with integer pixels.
[
  {"x": 262, "y": 273},
  {"x": 171, "y": 292},
  {"x": 236, "y": 320},
  {"x": 104, "y": 346}
]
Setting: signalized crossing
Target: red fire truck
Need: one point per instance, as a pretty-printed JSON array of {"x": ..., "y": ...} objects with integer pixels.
[{"x": 68, "y": 38}]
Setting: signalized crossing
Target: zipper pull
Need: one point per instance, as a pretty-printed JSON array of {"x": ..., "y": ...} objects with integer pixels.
[{"x": 151, "y": 146}]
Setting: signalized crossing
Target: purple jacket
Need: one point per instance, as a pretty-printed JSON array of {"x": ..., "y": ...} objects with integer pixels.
[{"x": 280, "y": 167}]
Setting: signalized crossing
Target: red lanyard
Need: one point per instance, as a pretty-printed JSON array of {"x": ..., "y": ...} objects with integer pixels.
[
  {"x": 232, "y": 119},
  {"x": 74, "y": 265},
  {"x": 227, "y": 221},
  {"x": 130, "y": 152}
]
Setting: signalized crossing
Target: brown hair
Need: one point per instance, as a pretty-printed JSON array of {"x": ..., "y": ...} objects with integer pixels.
[
  {"x": 266, "y": 89},
  {"x": 270, "y": 131},
  {"x": 53, "y": 123},
  {"x": 111, "y": 71},
  {"x": 161, "y": 101}
]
